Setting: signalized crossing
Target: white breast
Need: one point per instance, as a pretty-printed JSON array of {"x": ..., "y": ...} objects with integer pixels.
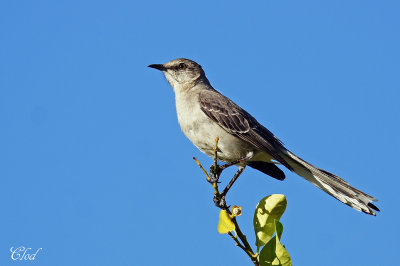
[{"x": 202, "y": 131}]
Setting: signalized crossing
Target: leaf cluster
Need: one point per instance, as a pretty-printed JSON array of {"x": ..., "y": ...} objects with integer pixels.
[{"x": 267, "y": 227}]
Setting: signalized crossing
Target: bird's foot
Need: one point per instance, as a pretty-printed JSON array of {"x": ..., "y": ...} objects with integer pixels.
[
  {"x": 214, "y": 175},
  {"x": 220, "y": 202}
]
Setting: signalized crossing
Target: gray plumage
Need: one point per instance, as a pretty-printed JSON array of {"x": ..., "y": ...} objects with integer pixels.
[{"x": 204, "y": 114}]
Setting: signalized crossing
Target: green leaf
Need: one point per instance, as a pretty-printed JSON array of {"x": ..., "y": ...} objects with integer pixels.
[
  {"x": 225, "y": 223},
  {"x": 267, "y": 211},
  {"x": 274, "y": 253},
  {"x": 278, "y": 229}
]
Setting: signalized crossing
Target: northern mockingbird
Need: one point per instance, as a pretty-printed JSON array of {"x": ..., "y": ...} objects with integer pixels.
[{"x": 204, "y": 114}]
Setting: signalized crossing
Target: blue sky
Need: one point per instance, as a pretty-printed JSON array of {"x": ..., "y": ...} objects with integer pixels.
[{"x": 95, "y": 170}]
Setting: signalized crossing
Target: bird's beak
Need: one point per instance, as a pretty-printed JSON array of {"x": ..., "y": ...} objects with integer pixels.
[{"x": 158, "y": 66}]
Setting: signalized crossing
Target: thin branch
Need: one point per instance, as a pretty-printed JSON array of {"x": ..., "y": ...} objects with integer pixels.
[
  {"x": 214, "y": 185},
  {"x": 217, "y": 171},
  {"x": 238, "y": 242}
]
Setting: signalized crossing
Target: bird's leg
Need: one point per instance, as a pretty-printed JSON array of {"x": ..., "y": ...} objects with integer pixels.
[
  {"x": 244, "y": 159},
  {"x": 215, "y": 170},
  {"x": 219, "y": 200}
]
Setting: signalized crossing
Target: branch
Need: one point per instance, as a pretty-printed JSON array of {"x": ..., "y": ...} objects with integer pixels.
[{"x": 239, "y": 238}]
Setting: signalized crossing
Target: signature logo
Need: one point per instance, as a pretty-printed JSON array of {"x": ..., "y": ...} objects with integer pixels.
[{"x": 23, "y": 253}]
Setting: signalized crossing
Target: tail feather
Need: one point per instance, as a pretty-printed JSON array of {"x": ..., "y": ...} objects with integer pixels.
[
  {"x": 268, "y": 168},
  {"x": 332, "y": 184}
]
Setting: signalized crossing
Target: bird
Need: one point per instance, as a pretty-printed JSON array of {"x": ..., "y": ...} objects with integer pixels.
[{"x": 204, "y": 114}]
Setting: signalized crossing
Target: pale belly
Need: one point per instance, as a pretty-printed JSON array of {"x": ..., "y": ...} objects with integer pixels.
[
  {"x": 202, "y": 132},
  {"x": 203, "y": 135}
]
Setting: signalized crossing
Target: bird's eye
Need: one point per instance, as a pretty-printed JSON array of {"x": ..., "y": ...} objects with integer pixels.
[{"x": 182, "y": 66}]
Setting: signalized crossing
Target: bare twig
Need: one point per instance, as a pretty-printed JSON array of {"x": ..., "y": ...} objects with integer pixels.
[{"x": 214, "y": 184}]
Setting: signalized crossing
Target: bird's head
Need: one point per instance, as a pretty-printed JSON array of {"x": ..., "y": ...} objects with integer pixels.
[{"x": 181, "y": 73}]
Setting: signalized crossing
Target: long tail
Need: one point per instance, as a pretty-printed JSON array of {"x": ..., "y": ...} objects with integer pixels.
[{"x": 331, "y": 184}]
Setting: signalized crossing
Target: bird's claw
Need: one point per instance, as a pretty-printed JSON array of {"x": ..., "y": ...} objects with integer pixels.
[
  {"x": 214, "y": 175},
  {"x": 213, "y": 181},
  {"x": 213, "y": 178}
]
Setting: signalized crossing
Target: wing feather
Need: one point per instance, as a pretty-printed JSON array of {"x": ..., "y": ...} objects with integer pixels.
[{"x": 236, "y": 121}]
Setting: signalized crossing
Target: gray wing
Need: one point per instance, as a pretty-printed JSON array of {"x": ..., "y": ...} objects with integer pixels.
[{"x": 240, "y": 123}]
